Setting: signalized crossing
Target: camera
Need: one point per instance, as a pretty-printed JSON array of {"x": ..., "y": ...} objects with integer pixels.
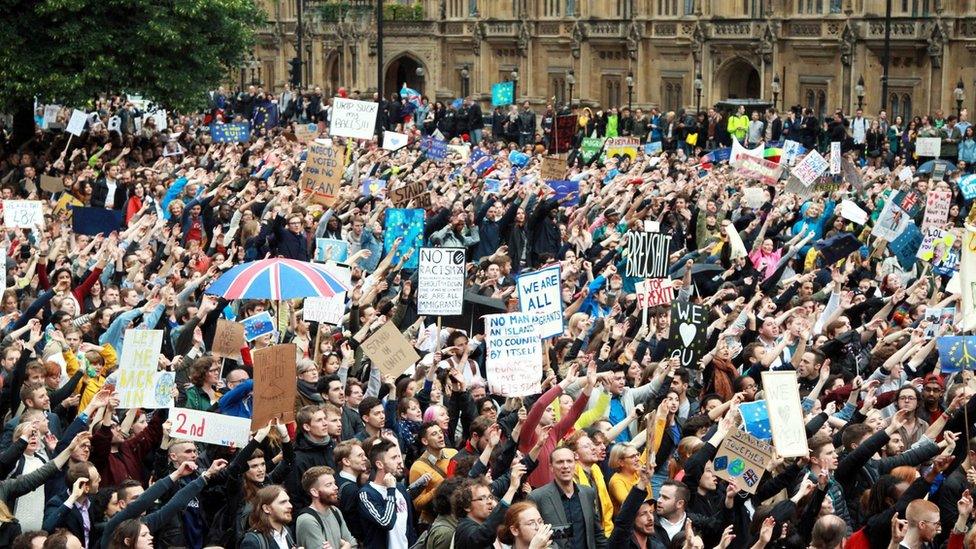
[{"x": 563, "y": 532}]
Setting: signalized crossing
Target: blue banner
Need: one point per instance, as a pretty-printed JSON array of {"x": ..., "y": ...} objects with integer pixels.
[
  {"x": 482, "y": 162},
  {"x": 408, "y": 224},
  {"x": 905, "y": 247},
  {"x": 967, "y": 186},
  {"x": 436, "y": 149},
  {"x": 518, "y": 158},
  {"x": 652, "y": 148},
  {"x": 372, "y": 186},
  {"x": 502, "y": 93},
  {"x": 237, "y": 132},
  {"x": 566, "y": 188},
  {"x": 92, "y": 221},
  {"x": 956, "y": 353}
]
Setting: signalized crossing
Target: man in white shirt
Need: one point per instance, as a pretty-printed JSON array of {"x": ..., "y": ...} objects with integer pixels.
[
  {"x": 671, "y": 515},
  {"x": 859, "y": 129}
]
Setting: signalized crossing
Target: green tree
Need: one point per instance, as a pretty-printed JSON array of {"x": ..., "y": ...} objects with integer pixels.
[{"x": 67, "y": 51}]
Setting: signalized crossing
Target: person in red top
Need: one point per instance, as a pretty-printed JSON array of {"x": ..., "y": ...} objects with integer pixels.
[
  {"x": 540, "y": 420},
  {"x": 118, "y": 458}
]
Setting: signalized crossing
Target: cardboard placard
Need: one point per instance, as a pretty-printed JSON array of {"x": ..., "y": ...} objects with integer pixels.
[
  {"x": 440, "y": 281},
  {"x": 648, "y": 254},
  {"x": 209, "y": 428},
  {"x": 390, "y": 351},
  {"x": 514, "y": 361},
  {"x": 402, "y": 195},
  {"x": 52, "y": 184},
  {"x": 228, "y": 339},
  {"x": 305, "y": 133},
  {"x": 622, "y": 146},
  {"x": 689, "y": 324},
  {"x": 323, "y": 172},
  {"x": 329, "y": 310},
  {"x": 139, "y": 386},
  {"x": 785, "y": 413},
  {"x": 352, "y": 118},
  {"x": 540, "y": 297},
  {"x": 275, "y": 385},
  {"x": 743, "y": 458},
  {"x": 552, "y": 168},
  {"x": 653, "y": 292},
  {"x": 928, "y": 146}
]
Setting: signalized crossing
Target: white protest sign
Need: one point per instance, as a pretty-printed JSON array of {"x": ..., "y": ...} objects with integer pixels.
[
  {"x": 850, "y": 210},
  {"x": 351, "y": 118},
  {"x": 76, "y": 125},
  {"x": 440, "y": 281},
  {"x": 834, "y": 157},
  {"x": 936, "y": 208},
  {"x": 754, "y": 197},
  {"x": 138, "y": 383},
  {"x": 23, "y": 214},
  {"x": 539, "y": 297},
  {"x": 50, "y": 115},
  {"x": 810, "y": 168},
  {"x": 393, "y": 140},
  {"x": 160, "y": 118},
  {"x": 115, "y": 124},
  {"x": 785, "y": 413},
  {"x": 905, "y": 175},
  {"x": 514, "y": 361},
  {"x": 325, "y": 309},
  {"x": 791, "y": 150},
  {"x": 654, "y": 291},
  {"x": 928, "y": 146},
  {"x": 891, "y": 222},
  {"x": 209, "y": 428}
]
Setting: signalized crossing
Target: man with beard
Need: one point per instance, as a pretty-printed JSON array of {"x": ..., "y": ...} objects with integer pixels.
[
  {"x": 633, "y": 528},
  {"x": 269, "y": 520},
  {"x": 384, "y": 505},
  {"x": 932, "y": 392},
  {"x": 321, "y": 522}
]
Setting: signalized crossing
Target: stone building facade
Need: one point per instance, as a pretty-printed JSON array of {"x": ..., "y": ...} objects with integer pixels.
[{"x": 814, "y": 51}]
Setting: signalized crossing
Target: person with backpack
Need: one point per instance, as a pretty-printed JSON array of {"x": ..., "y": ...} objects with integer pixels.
[
  {"x": 269, "y": 520},
  {"x": 321, "y": 522}
]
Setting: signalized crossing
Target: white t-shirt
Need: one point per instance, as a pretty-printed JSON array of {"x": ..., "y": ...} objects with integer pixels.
[
  {"x": 110, "y": 197},
  {"x": 398, "y": 535}
]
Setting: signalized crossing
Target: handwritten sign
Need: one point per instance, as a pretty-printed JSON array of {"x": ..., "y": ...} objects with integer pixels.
[
  {"x": 653, "y": 292},
  {"x": 352, "y": 118},
  {"x": 967, "y": 186},
  {"x": 935, "y": 244},
  {"x": 138, "y": 383},
  {"x": 563, "y": 133},
  {"x": 743, "y": 458},
  {"x": 928, "y": 146},
  {"x": 689, "y": 324},
  {"x": 329, "y": 310},
  {"x": 834, "y": 157},
  {"x": 323, "y": 172},
  {"x": 552, "y": 168},
  {"x": 209, "y": 428},
  {"x": 539, "y": 297},
  {"x": 622, "y": 146},
  {"x": 936, "y": 208},
  {"x": 228, "y": 339},
  {"x": 810, "y": 168},
  {"x": 275, "y": 385},
  {"x": 402, "y": 195},
  {"x": 759, "y": 168},
  {"x": 785, "y": 413},
  {"x": 514, "y": 361},
  {"x": 76, "y": 125},
  {"x": 236, "y": 132},
  {"x": 23, "y": 214},
  {"x": 390, "y": 351},
  {"x": 306, "y": 132},
  {"x": 647, "y": 254},
  {"x": 440, "y": 280}
]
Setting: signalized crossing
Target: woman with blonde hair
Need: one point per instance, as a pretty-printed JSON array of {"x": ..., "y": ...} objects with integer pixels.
[{"x": 625, "y": 460}]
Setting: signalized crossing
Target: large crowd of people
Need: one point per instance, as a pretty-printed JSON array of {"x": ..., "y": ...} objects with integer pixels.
[{"x": 621, "y": 447}]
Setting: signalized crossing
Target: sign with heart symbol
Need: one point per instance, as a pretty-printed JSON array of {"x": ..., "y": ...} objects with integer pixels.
[{"x": 688, "y": 325}]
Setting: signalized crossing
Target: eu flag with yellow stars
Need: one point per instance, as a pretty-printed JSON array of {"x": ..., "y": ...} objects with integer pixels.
[
  {"x": 755, "y": 419},
  {"x": 502, "y": 94},
  {"x": 409, "y": 225},
  {"x": 956, "y": 353}
]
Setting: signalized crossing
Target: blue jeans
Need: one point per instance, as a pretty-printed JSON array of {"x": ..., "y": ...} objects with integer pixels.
[{"x": 476, "y": 136}]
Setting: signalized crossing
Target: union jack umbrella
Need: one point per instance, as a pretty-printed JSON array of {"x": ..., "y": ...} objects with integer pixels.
[{"x": 278, "y": 279}]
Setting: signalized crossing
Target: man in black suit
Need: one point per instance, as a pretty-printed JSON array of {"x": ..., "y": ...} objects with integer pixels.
[
  {"x": 476, "y": 120},
  {"x": 70, "y": 509},
  {"x": 570, "y": 508}
]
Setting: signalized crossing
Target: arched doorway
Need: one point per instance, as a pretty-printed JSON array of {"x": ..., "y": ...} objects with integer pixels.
[
  {"x": 333, "y": 79},
  {"x": 403, "y": 69},
  {"x": 739, "y": 80}
]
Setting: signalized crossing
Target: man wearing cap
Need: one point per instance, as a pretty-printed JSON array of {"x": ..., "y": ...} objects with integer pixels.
[{"x": 932, "y": 391}]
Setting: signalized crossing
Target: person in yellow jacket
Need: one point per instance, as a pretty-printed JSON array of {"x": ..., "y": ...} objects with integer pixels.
[
  {"x": 434, "y": 463},
  {"x": 101, "y": 361},
  {"x": 589, "y": 473},
  {"x": 739, "y": 124}
]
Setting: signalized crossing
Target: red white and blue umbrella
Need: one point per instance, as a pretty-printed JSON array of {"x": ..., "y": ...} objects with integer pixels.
[{"x": 278, "y": 278}]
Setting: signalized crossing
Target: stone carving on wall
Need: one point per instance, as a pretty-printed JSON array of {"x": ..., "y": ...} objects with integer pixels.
[
  {"x": 633, "y": 39},
  {"x": 578, "y": 37},
  {"x": 698, "y": 37},
  {"x": 936, "y": 43},
  {"x": 767, "y": 42},
  {"x": 524, "y": 38},
  {"x": 848, "y": 40},
  {"x": 478, "y": 33}
]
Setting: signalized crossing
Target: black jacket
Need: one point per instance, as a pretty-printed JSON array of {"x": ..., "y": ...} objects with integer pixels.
[
  {"x": 476, "y": 120},
  {"x": 623, "y": 523},
  {"x": 308, "y": 454},
  {"x": 100, "y": 194}
]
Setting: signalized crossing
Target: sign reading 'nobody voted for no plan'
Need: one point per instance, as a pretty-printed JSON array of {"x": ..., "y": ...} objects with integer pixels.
[
  {"x": 539, "y": 296},
  {"x": 514, "y": 359},
  {"x": 323, "y": 172},
  {"x": 440, "y": 281},
  {"x": 351, "y": 118}
]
